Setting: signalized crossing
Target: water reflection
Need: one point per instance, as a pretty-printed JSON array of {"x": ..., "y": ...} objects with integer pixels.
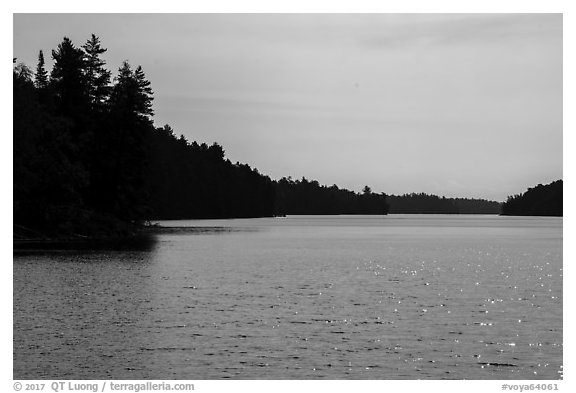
[
  {"x": 298, "y": 302},
  {"x": 75, "y": 313},
  {"x": 145, "y": 241},
  {"x": 201, "y": 230}
]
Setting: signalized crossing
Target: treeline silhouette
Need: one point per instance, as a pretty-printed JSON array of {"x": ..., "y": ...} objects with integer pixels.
[
  {"x": 542, "y": 200},
  {"x": 89, "y": 161},
  {"x": 309, "y": 197},
  {"x": 79, "y": 143},
  {"x": 432, "y": 204},
  {"x": 191, "y": 180}
]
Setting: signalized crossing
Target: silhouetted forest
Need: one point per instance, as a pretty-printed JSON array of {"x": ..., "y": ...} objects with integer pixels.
[
  {"x": 89, "y": 162},
  {"x": 309, "y": 197},
  {"x": 432, "y": 204},
  {"x": 79, "y": 144},
  {"x": 542, "y": 200},
  {"x": 191, "y": 180}
]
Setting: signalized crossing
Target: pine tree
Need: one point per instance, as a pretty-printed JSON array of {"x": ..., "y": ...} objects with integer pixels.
[
  {"x": 97, "y": 76},
  {"x": 41, "y": 76},
  {"x": 130, "y": 109},
  {"x": 145, "y": 93},
  {"x": 68, "y": 80},
  {"x": 132, "y": 94}
]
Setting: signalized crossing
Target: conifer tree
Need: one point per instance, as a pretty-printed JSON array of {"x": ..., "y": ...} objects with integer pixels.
[
  {"x": 145, "y": 95},
  {"x": 130, "y": 109},
  {"x": 132, "y": 94},
  {"x": 68, "y": 79},
  {"x": 97, "y": 76},
  {"x": 41, "y": 76}
]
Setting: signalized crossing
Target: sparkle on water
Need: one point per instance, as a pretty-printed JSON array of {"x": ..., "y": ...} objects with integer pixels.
[{"x": 395, "y": 297}]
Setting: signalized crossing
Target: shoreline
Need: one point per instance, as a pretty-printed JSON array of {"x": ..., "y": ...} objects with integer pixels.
[{"x": 140, "y": 239}]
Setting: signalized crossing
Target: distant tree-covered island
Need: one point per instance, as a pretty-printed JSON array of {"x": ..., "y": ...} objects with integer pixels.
[
  {"x": 542, "y": 200},
  {"x": 89, "y": 163}
]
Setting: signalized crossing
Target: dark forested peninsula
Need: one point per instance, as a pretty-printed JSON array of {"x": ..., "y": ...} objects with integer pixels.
[
  {"x": 89, "y": 162},
  {"x": 542, "y": 200}
]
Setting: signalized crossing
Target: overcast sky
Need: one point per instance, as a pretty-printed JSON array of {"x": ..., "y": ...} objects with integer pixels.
[{"x": 458, "y": 105}]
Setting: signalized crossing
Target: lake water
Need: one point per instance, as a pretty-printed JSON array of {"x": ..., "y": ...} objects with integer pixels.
[{"x": 337, "y": 297}]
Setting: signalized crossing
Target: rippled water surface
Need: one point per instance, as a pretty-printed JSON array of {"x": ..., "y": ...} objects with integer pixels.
[{"x": 395, "y": 297}]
